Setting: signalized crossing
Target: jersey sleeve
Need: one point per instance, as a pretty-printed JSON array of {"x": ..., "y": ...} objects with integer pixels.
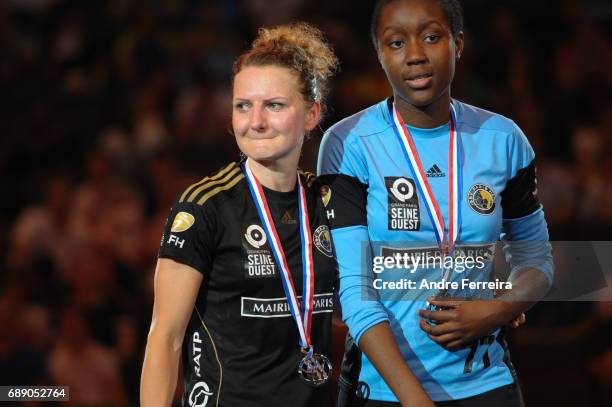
[
  {"x": 519, "y": 197},
  {"x": 525, "y": 233},
  {"x": 188, "y": 236},
  {"x": 343, "y": 171}
]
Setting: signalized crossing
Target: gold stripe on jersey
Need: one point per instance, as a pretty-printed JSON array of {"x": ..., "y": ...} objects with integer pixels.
[
  {"x": 216, "y": 355},
  {"x": 215, "y": 191},
  {"x": 212, "y": 183},
  {"x": 310, "y": 177},
  {"x": 218, "y": 175}
]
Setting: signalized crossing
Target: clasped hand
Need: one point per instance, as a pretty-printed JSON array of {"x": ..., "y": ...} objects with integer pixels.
[{"x": 459, "y": 322}]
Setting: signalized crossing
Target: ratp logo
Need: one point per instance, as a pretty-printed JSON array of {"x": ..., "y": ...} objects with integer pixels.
[{"x": 199, "y": 395}]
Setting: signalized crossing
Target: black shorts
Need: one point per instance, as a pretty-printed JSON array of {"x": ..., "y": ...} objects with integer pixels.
[{"x": 505, "y": 396}]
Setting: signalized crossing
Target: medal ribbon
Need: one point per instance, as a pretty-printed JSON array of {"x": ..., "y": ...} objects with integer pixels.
[
  {"x": 446, "y": 243},
  {"x": 302, "y": 313}
]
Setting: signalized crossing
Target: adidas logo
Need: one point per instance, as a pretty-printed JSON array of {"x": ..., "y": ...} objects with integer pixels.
[
  {"x": 435, "y": 172},
  {"x": 287, "y": 219}
]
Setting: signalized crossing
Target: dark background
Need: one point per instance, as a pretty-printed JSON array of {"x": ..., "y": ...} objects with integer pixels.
[{"x": 109, "y": 108}]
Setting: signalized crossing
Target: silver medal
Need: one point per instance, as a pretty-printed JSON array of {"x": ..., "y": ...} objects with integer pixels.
[{"x": 315, "y": 369}]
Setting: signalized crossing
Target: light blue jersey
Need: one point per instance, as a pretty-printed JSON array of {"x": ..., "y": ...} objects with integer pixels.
[{"x": 373, "y": 198}]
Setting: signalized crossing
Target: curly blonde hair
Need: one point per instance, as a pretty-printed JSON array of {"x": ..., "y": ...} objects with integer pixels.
[{"x": 299, "y": 47}]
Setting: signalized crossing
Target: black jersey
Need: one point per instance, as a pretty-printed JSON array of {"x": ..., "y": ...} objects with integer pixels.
[{"x": 241, "y": 347}]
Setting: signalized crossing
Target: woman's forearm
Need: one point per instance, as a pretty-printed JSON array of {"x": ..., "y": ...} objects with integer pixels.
[
  {"x": 380, "y": 346},
  {"x": 159, "y": 371}
]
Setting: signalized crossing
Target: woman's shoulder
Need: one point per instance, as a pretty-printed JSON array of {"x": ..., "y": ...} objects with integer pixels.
[
  {"x": 478, "y": 118},
  {"x": 309, "y": 179},
  {"x": 484, "y": 125},
  {"x": 371, "y": 120},
  {"x": 313, "y": 184},
  {"x": 219, "y": 184}
]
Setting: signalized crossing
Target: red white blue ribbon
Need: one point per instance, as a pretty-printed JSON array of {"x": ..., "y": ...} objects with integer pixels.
[
  {"x": 446, "y": 238},
  {"x": 302, "y": 313}
]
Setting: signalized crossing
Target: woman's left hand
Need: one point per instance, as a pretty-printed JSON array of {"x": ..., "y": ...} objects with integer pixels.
[{"x": 459, "y": 322}]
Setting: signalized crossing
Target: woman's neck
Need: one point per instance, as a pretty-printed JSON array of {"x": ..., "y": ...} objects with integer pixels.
[
  {"x": 433, "y": 115},
  {"x": 275, "y": 175}
]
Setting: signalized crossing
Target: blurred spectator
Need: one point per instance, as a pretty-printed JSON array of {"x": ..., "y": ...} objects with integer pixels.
[
  {"x": 24, "y": 339},
  {"x": 40, "y": 230},
  {"x": 600, "y": 364},
  {"x": 91, "y": 370}
]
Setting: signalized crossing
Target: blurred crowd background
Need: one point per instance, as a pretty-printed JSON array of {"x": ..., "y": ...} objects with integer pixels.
[{"x": 110, "y": 108}]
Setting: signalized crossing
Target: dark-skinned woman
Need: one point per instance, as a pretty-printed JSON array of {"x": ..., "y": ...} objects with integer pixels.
[{"x": 421, "y": 176}]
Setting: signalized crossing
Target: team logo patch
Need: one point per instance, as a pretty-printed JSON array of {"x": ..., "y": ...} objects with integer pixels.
[
  {"x": 322, "y": 240},
  {"x": 259, "y": 262},
  {"x": 325, "y": 194},
  {"x": 255, "y": 236},
  {"x": 182, "y": 222},
  {"x": 482, "y": 199},
  {"x": 199, "y": 395},
  {"x": 403, "y": 204}
]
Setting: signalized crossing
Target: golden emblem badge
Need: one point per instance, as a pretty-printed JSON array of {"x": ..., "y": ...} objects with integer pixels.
[{"x": 182, "y": 222}]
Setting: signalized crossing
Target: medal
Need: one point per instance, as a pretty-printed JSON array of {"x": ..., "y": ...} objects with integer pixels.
[
  {"x": 313, "y": 368},
  {"x": 446, "y": 242}
]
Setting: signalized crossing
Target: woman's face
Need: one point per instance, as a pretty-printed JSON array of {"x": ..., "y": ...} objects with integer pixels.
[
  {"x": 269, "y": 115},
  {"x": 417, "y": 50}
]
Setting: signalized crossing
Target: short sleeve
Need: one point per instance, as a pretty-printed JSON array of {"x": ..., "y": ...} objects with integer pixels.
[
  {"x": 342, "y": 170},
  {"x": 188, "y": 236},
  {"x": 340, "y": 155}
]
